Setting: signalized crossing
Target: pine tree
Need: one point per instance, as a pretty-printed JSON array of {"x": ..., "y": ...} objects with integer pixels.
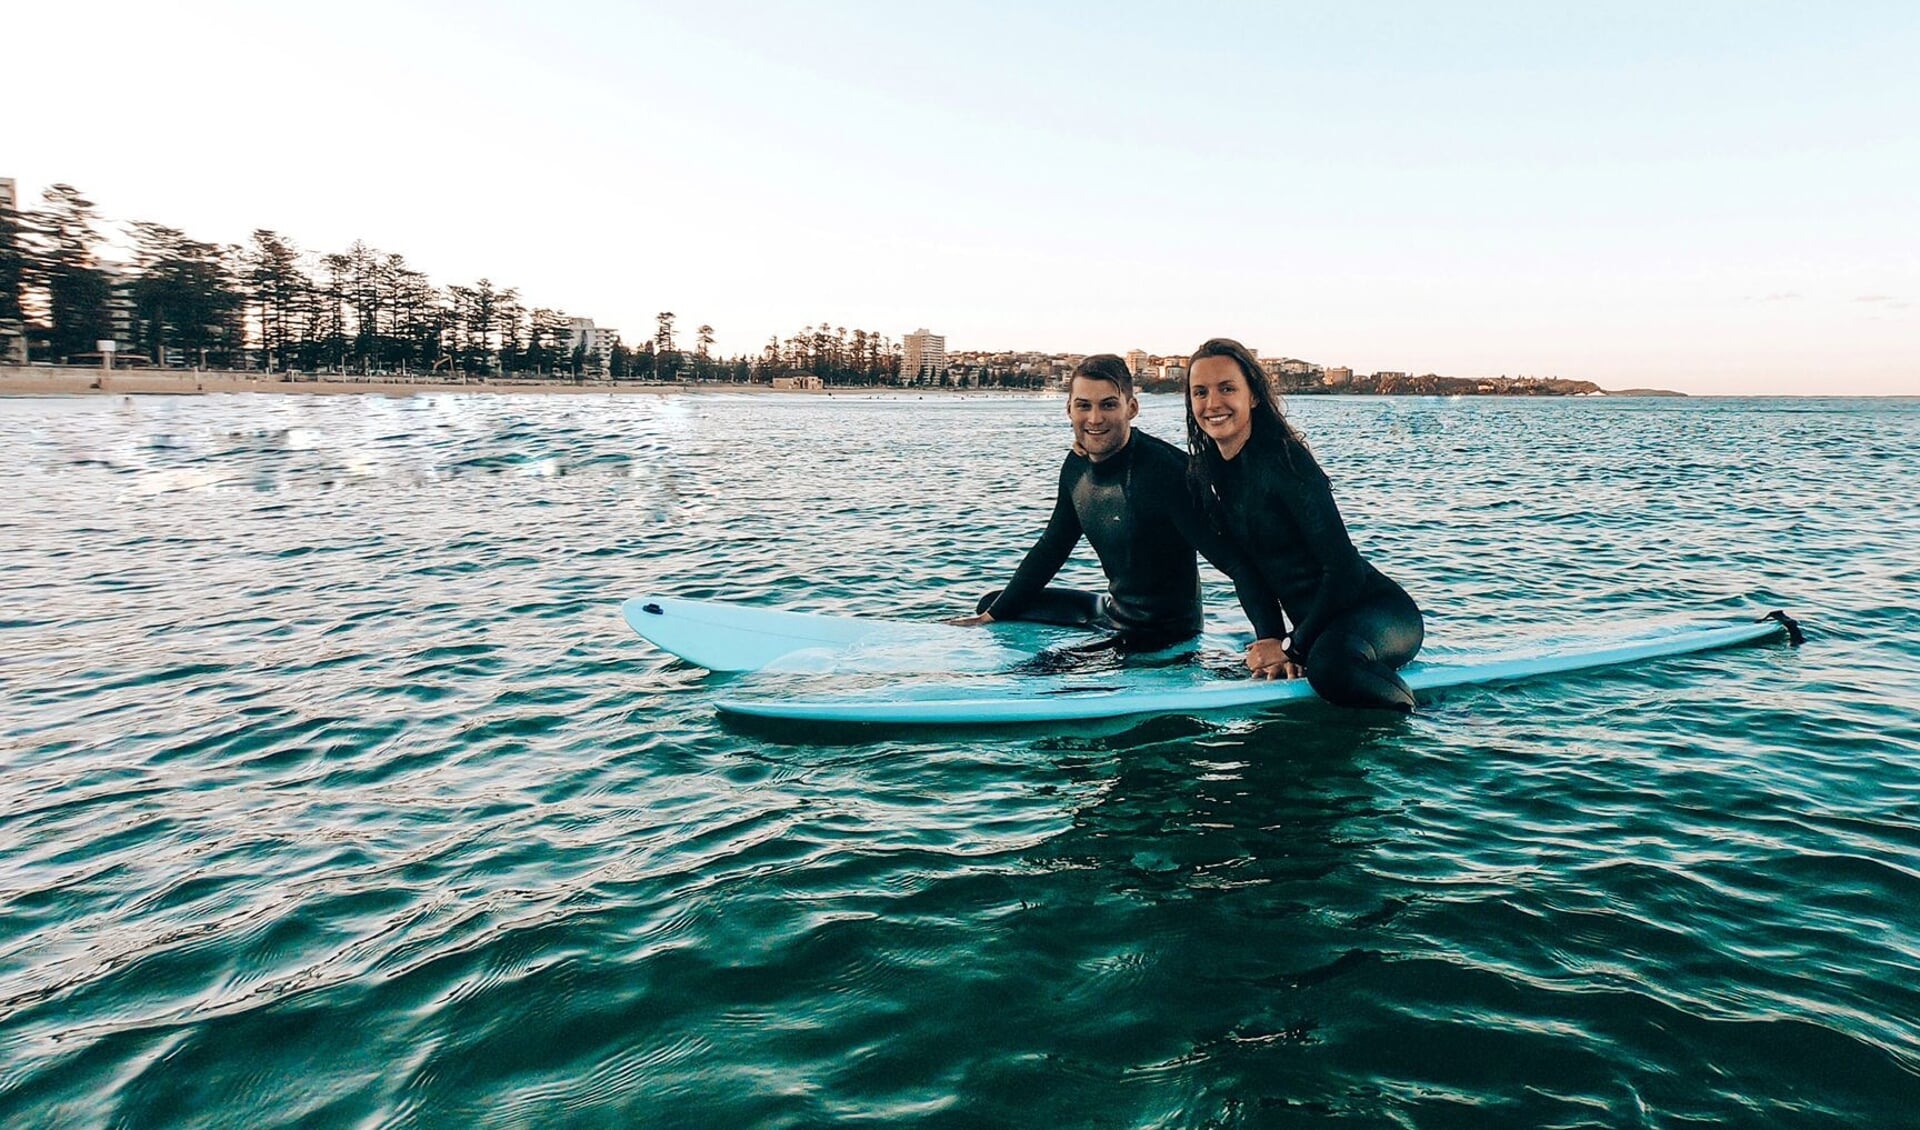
[
  {"x": 61, "y": 263},
  {"x": 13, "y": 272},
  {"x": 279, "y": 295}
]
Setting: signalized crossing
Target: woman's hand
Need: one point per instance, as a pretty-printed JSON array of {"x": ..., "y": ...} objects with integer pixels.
[
  {"x": 970, "y": 621},
  {"x": 1268, "y": 659}
]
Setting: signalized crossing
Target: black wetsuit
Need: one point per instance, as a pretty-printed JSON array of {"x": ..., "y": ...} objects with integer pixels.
[
  {"x": 1134, "y": 506},
  {"x": 1352, "y": 626}
]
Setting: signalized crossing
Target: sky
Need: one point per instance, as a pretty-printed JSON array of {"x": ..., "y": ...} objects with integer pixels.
[{"x": 1716, "y": 198}]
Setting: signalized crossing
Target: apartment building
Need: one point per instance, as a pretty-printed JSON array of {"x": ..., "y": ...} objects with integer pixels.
[
  {"x": 923, "y": 357},
  {"x": 599, "y": 341}
]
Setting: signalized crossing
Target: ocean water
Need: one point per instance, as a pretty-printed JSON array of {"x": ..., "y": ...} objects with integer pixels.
[{"x": 334, "y": 792}]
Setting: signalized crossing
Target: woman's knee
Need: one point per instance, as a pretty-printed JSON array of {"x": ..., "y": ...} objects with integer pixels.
[{"x": 1349, "y": 673}]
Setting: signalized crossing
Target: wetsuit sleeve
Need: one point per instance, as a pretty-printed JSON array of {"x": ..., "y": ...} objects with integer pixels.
[
  {"x": 1256, "y": 599},
  {"x": 1309, "y": 501},
  {"x": 1045, "y": 558}
]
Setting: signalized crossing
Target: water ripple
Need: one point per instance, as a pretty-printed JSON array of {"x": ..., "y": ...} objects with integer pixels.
[{"x": 335, "y": 793}]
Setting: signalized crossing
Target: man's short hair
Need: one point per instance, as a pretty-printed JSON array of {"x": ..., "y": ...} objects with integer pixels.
[{"x": 1105, "y": 367}]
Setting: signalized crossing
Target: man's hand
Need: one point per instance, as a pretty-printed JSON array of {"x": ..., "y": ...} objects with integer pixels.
[
  {"x": 1268, "y": 659},
  {"x": 970, "y": 621}
]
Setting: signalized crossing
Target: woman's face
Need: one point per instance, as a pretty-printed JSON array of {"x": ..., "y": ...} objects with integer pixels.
[{"x": 1218, "y": 396}]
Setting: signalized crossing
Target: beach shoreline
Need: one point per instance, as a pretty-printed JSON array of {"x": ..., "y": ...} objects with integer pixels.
[
  {"x": 87, "y": 380},
  {"x": 73, "y": 380}
]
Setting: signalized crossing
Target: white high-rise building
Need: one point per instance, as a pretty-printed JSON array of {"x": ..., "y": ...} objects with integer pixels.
[
  {"x": 123, "y": 303},
  {"x": 598, "y": 340},
  {"x": 923, "y": 357}
]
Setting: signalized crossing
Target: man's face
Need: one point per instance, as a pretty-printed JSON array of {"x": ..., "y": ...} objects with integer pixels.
[{"x": 1102, "y": 416}]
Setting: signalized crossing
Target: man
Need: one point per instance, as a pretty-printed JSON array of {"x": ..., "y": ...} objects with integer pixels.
[{"x": 1126, "y": 492}]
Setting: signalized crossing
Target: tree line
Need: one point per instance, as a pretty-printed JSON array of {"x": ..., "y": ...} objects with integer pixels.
[
  {"x": 834, "y": 354},
  {"x": 269, "y": 305}
]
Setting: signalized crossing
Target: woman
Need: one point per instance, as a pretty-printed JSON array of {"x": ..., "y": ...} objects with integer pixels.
[{"x": 1352, "y": 627}]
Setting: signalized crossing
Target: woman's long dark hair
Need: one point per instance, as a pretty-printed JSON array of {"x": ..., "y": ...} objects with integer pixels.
[{"x": 1270, "y": 424}]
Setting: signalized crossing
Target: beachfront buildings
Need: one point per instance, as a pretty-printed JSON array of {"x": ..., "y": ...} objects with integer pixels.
[
  {"x": 1007, "y": 368},
  {"x": 123, "y": 305},
  {"x": 923, "y": 357},
  {"x": 597, "y": 342}
]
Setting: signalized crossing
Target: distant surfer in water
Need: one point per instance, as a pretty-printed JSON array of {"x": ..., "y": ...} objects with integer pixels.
[
  {"x": 1125, "y": 492},
  {"x": 1353, "y": 628}
]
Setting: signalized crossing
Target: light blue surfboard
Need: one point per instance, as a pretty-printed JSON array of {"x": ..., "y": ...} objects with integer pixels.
[
  {"x": 1125, "y": 693},
  {"x": 740, "y": 637},
  {"x": 733, "y": 638}
]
